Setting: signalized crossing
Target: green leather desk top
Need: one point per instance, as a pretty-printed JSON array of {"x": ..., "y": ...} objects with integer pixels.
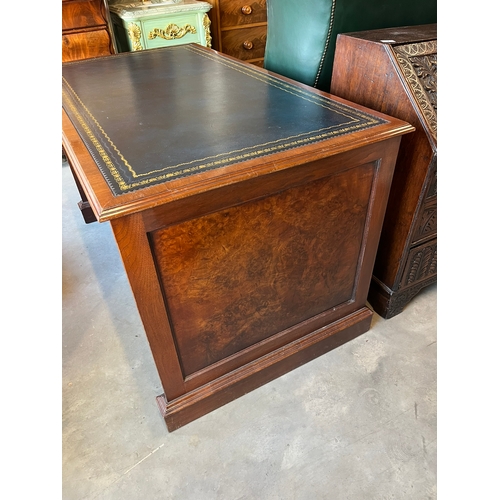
[{"x": 151, "y": 116}]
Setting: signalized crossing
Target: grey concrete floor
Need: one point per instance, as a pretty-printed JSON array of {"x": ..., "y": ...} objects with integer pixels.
[{"x": 358, "y": 423}]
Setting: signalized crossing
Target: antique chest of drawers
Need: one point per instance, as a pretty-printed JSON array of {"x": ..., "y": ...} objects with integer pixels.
[
  {"x": 149, "y": 25},
  {"x": 239, "y": 28},
  {"x": 394, "y": 71},
  {"x": 85, "y": 30}
]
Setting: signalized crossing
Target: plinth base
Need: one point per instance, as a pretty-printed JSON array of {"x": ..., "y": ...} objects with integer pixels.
[{"x": 225, "y": 389}]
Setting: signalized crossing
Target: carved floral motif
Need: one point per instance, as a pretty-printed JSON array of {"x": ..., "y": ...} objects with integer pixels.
[
  {"x": 134, "y": 33},
  {"x": 172, "y": 32},
  {"x": 421, "y": 264},
  {"x": 206, "y": 26},
  {"x": 418, "y": 62}
]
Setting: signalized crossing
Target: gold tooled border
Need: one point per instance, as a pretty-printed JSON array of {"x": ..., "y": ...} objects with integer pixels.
[{"x": 230, "y": 157}]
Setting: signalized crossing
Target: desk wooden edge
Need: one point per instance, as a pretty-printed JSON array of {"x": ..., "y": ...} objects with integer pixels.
[{"x": 105, "y": 206}]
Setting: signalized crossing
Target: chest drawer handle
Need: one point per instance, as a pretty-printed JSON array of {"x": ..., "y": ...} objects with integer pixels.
[
  {"x": 246, "y": 9},
  {"x": 248, "y": 45}
]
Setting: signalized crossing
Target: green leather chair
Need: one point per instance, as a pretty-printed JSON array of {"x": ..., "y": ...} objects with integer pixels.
[{"x": 301, "y": 34}]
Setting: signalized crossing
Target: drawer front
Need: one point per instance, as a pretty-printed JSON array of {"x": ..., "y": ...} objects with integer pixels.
[
  {"x": 426, "y": 221},
  {"x": 431, "y": 189},
  {"x": 241, "y": 12},
  {"x": 77, "y": 15},
  {"x": 426, "y": 225},
  {"x": 172, "y": 30},
  {"x": 85, "y": 45},
  {"x": 421, "y": 264},
  {"x": 246, "y": 43}
]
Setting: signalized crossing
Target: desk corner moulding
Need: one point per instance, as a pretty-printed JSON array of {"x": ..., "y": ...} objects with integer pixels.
[{"x": 247, "y": 218}]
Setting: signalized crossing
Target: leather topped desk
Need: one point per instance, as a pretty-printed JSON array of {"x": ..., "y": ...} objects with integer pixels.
[{"x": 247, "y": 209}]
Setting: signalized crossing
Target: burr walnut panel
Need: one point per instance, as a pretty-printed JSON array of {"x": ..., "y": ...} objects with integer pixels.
[
  {"x": 85, "y": 45},
  {"x": 85, "y": 30},
  {"x": 224, "y": 275},
  {"x": 82, "y": 14}
]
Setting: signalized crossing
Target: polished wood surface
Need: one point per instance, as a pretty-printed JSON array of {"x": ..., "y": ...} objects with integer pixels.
[
  {"x": 368, "y": 69},
  {"x": 85, "y": 30},
  {"x": 239, "y": 28},
  {"x": 244, "y": 272}
]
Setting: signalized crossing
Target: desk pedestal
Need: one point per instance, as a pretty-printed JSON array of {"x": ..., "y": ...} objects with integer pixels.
[
  {"x": 237, "y": 287},
  {"x": 248, "y": 229}
]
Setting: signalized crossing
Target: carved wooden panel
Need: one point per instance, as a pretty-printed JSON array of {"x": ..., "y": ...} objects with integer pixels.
[
  {"x": 426, "y": 222},
  {"x": 426, "y": 225},
  {"x": 432, "y": 185},
  {"x": 231, "y": 278},
  {"x": 418, "y": 62},
  {"x": 421, "y": 264}
]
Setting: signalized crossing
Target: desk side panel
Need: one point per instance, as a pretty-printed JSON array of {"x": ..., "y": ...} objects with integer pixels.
[
  {"x": 236, "y": 277},
  {"x": 241, "y": 292}
]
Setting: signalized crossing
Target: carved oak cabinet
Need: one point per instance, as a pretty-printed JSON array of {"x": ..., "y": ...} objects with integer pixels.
[{"x": 394, "y": 71}]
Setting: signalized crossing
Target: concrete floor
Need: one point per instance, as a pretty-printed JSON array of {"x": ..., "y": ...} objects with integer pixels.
[{"x": 358, "y": 423}]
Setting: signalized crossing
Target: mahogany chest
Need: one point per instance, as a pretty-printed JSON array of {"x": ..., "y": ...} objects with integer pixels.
[
  {"x": 86, "y": 30},
  {"x": 239, "y": 28},
  {"x": 394, "y": 71}
]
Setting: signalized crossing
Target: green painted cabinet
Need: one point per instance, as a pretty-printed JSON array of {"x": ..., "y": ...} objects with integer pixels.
[{"x": 148, "y": 25}]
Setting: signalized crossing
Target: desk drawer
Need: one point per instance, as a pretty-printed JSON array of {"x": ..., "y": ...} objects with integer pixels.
[
  {"x": 241, "y": 12},
  {"x": 82, "y": 14},
  {"x": 246, "y": 43}
]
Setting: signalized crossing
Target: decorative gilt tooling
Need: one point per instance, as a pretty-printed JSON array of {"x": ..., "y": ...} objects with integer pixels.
[
  {"x": 134, "y": 33},
  {"x": 206, "y": 25},
  {"x": 172, "y": 32},
  {"x": 418, "y": 61}
]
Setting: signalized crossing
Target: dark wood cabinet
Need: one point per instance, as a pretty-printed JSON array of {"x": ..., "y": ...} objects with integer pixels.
[
  {"x": 86, "y": 30},
  {"x": 395, "y": 71}
]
